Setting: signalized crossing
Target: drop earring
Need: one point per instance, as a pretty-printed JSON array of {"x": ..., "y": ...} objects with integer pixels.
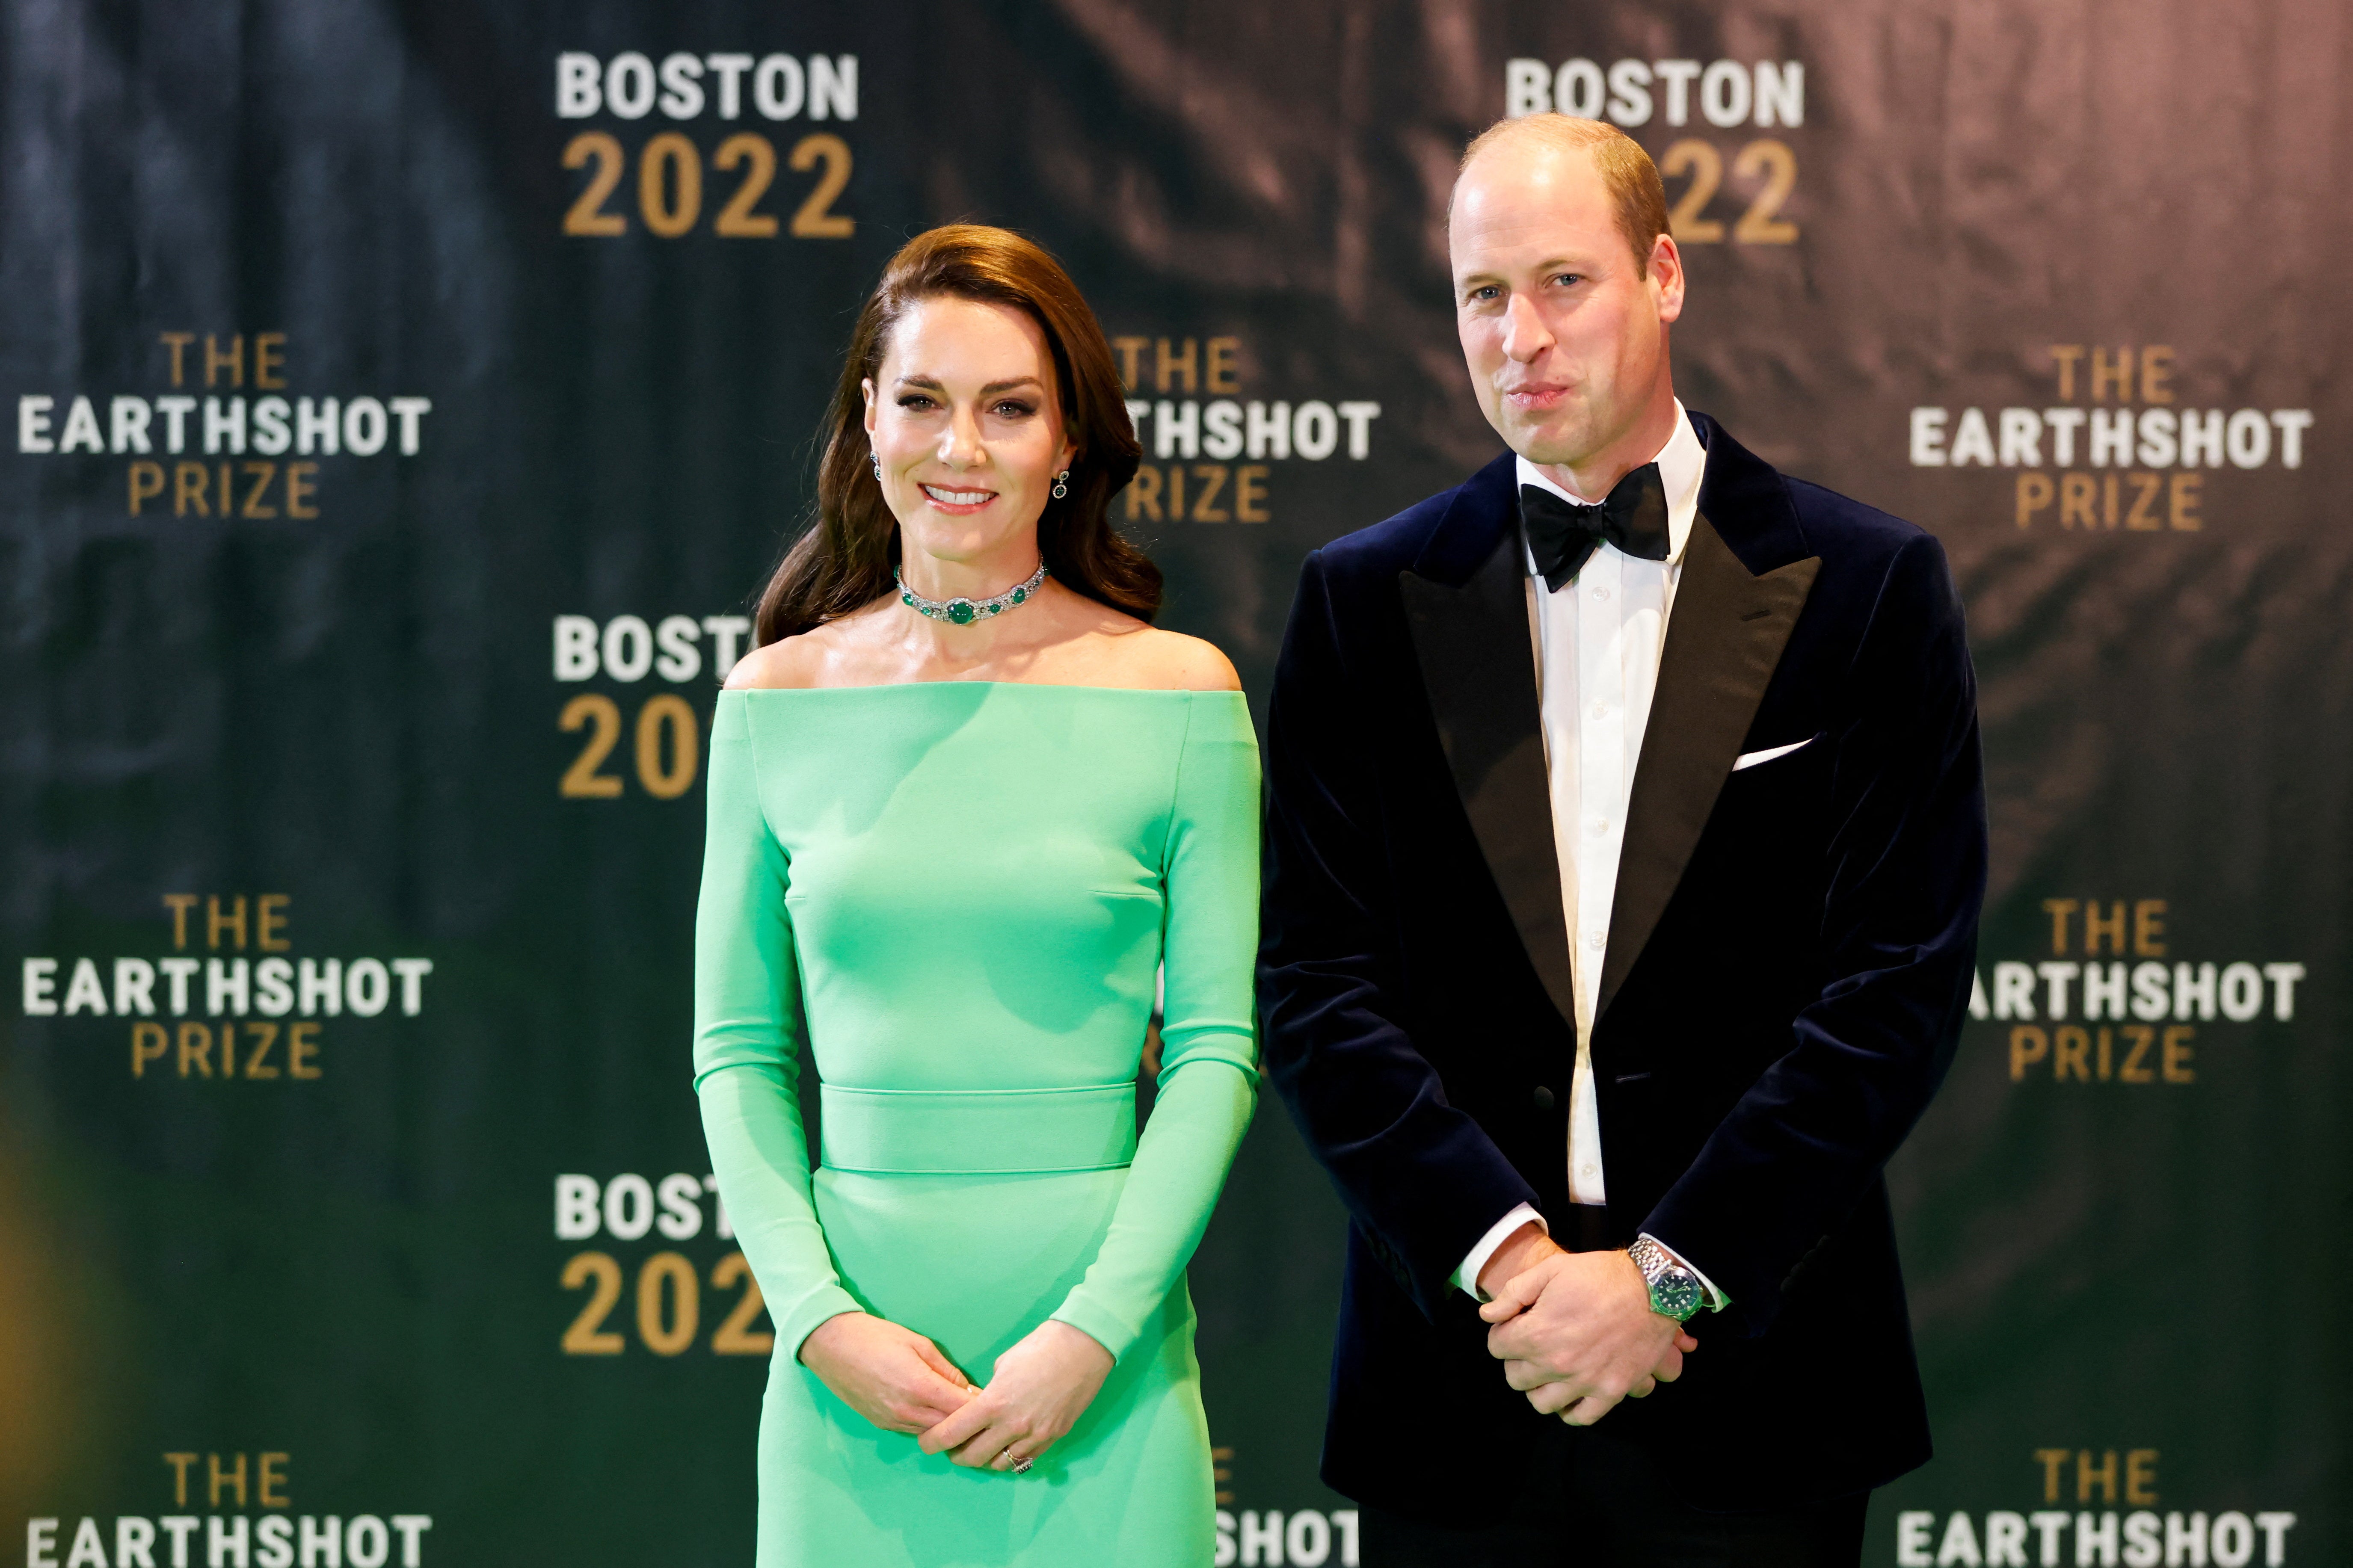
[
  {"x": 1062, "y": 484},
  {"x": 876, "y": 460}
]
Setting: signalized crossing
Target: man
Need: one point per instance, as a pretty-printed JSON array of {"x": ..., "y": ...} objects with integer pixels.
[{"x": 1625, "y": 850}]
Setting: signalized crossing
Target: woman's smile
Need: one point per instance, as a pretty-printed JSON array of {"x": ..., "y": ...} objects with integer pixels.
[{"x": 957, "y": 503}]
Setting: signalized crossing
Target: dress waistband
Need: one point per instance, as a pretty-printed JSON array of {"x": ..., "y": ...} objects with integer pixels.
[{"x": 938, "y": 1131}]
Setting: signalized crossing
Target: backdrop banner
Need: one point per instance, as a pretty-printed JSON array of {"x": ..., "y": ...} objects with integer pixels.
[{"x": 409, "y": 400}]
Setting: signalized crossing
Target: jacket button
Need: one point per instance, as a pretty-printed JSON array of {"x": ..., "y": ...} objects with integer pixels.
[{"x": 1543, "y": 1097}]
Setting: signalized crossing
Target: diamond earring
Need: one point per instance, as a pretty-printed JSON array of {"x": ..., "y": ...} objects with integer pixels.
[
  {"x": 877, "y": 458},
  {"x": 1062, "y": 484}
]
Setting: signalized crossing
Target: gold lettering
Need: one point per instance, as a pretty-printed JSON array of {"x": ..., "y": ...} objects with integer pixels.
[
  {"x": 179, "y": 1462},
  {"x": 2176, "y": 1053},
  {"x": 301, "y": 1046},
  {"x": 269, "y": 359},
  {"x": 2146, "y": 490},
  {"x": 2156, "y": 370},
  {"x": 215, "y": 922},
  {"x": 148, "y": 1043},
  {"x": 2075, "y": 493},
  {"x": 195, "y": 1045},
  {"x": 218, "y": 1478},
  {"x": 2034, "y": 493},
  {"x": 2069, "y": 1047},
  {"x": 1213, "y": 476},
  {"x": 2059, "y": 910},
  {"x": 191, "y": 486},
  {"x": 234, "y": 363},
  {"x": 253, "y": 1063},
  {"x": 2140, "y": 1465},
  {"x": 1250, "y": 493},
  {"x": 1221, "y": 376},
  {"x": 180, "y": 904},
  {"x": 2107, "y": 374},
  {"x": 2065, "y": 356},
  {"x": 2049, "y": 1459},
  {"x": 2085, "y": 1474},
  {"x": 2184, "y": 496},
  {"x": 298, "y": 489},
  {"x": 1143, "y": 493},
  {"x": 2112, "y": 928},
  {"x": 2141, "y": 1037},
  {"x": 273, "y": 1473},
  {"x": 262, "y": 473},
  {"x": 272, "y": 921},
  {"x": 1128, "y": 349},
  {"x": 146, "y": 483},
  {"x": 2148, "y": 925},
  {"x": 2028, "y": 1045},
  {"x": 1166, "y": 366},
  {"x": 176, "y": 341}
]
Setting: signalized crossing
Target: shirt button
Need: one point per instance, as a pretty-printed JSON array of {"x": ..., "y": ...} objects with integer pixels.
[
  {"x": 1601, "y": 711},
  {"x": 1596, "y": 939},
  {"x": 1543, "y": 1097},
  {"x": 1597, "y": 826},
  {"x": 1587, "y": 1169},
  {"x": 1599, "y": 592}
]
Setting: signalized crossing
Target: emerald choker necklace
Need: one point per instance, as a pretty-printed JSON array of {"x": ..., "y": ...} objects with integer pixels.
[{"x": 963, "y": 612}]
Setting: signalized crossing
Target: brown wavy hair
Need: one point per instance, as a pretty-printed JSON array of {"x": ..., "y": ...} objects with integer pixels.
[{"x": 843, "y": 560}]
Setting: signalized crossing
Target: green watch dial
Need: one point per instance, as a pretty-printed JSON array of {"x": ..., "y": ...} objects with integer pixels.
[{"x": 1675, "y": 1293}]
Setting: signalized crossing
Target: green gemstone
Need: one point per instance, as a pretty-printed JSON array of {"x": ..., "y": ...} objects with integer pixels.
[
  {"x": 1019, "y": 594},
  {"x": 960, "y": 611}
]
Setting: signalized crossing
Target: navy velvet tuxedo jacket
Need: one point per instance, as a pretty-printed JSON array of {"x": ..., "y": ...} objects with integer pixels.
[{"x": 1790, "y": 955}]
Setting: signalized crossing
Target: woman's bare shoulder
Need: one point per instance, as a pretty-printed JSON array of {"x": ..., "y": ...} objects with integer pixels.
[
  {"x": 786, "y": 663},
  {"x": 1148, "y": 657}
]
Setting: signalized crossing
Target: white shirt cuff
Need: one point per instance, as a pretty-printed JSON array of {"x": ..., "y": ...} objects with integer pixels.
[
  {"x": 1716, "y": 1299},
  {"x": 1466, "y": 1277}
]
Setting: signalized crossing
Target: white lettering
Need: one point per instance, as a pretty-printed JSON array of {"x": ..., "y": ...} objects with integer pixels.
[
  {"x": 577, "y": 92},
  {"x": 127, "y": 419},
  {"x": 32, "y": 436},
  {"x": 628, "y": 647},
  {"x": 1315, "y": 431},
  {"x": 778, "y": 87},
  {"x": 681, "y": 79},
  {"x": 629, "y": 92},
  {"x": 1927, "y": 437},
  {"x": 679, "y": 659}
]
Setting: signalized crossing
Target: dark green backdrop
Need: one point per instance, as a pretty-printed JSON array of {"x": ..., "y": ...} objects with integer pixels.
[{"x": 2056, "y": 281}]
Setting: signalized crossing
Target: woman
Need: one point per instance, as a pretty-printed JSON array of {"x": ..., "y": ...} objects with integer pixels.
[{"x": 964, "y": 802}]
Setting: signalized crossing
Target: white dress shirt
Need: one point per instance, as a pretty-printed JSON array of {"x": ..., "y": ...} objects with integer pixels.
[{"x": 1598, "y": 642}]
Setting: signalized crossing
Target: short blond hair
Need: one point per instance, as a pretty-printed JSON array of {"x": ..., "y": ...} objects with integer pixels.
[{"x": 1626, "y": 170}]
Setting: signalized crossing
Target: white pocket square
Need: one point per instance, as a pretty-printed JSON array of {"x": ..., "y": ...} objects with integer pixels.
[{"x": 1750, "y": 759}]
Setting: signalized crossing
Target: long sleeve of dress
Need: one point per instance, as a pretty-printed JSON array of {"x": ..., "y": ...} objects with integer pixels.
[
  {"x": 1209, "y": 1074},
  {"x": 748, "y": 1042}
]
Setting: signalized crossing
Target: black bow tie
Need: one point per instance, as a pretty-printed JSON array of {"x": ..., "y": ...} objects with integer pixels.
[{"x": 1564, "y": 534}]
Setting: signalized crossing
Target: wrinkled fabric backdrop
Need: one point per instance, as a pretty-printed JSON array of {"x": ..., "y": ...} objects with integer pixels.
[{"x": 410, "y": 400}]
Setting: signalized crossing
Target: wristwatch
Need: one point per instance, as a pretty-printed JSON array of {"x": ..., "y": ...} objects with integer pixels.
[{"x": 1674, "y": 1290}]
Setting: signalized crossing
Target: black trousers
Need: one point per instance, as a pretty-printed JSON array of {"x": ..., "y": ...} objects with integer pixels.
[{"x": 1591, "y": 1500}]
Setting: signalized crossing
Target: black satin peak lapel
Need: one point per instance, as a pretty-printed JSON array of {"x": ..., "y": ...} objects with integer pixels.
[
  {"x": 1478, "y": 665},
  {"x": 1725, "y": 636}
]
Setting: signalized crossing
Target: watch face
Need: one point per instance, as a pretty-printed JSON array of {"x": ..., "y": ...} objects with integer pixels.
[{"x": 1675, "y": 1294}]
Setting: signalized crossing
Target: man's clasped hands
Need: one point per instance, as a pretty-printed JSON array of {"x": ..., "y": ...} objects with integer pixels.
[{"x": 1575, "y": 1329}]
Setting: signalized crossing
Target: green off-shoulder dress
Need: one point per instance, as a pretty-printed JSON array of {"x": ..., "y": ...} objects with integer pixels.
[{"x": 950, "y": 901}]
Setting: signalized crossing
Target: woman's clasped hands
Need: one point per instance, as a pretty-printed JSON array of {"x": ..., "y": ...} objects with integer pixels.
[{"x": 901, "y": 1381}]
